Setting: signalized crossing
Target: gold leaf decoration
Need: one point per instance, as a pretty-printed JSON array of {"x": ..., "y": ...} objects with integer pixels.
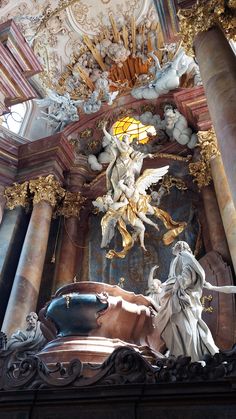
[
  {"x": 203, "y": 16},
  {"x": 46, "y": 189},
  {"x": 201, "y": 170},
  {"x": 72, "y": 204},
  {"x": 17, "y": 195}
]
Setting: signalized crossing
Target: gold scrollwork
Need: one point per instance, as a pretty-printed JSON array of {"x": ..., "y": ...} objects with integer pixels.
[
  {"x": 72, "y": 204},
  {"x": 46, "y": 189},
  {"x": 201, "y": 169},
  {"x": 201, "y": 173},
  {"x": 17, "y": 195},
  {"x": 208, "y": 144},
  {"x": 203, "y": 16},
  {"x": 169, "y": 182},
  {"x": 208, "y": 298}
]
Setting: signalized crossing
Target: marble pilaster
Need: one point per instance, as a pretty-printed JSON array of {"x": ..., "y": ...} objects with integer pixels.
[{"x": 66, "y": 258}]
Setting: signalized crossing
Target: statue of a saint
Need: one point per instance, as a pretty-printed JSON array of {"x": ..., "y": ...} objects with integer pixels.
[
  {"x": 29, "y": 339},
  {"x": 179, "y": 318}
]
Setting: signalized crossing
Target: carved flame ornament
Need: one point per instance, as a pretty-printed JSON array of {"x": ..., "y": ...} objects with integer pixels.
[{"x": 203, "y": 16}]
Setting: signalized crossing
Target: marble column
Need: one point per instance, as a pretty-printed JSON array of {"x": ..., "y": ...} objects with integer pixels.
[
  {"x": 214, "y": 223},
  {"x": 226, "y": 205},
  {"x": 217, "y": 64},
  {"x": 66, "y": 258},
  {"x": 26, "y": 286},
  {"x": 2, "y": 202}
]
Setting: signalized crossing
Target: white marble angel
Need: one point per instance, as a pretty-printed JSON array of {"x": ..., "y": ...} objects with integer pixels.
[
  {"x": 62, "y": 109},
  {"x": 132, "y": 210},
  {"x": 125, "y": 162},
  {"x": 167, "y": 77},
  {"x": 102, "y": 85},
  {"x": 179, "y": 307}
]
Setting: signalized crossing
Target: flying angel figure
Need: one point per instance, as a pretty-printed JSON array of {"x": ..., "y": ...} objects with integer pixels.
[
  {"x": 132, "y": 210},
  {"x": 61, "y": 109}
]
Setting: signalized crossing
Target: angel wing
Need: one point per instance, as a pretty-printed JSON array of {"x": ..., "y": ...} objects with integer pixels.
[{"x": 149, "y": 177}]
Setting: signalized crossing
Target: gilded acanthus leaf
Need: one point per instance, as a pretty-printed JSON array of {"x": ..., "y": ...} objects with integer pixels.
[
  {"x": 203, "y": 16},
  {"x": 72, "y": 204},
  {"x": 46, "y": 189},
  {"x": 17, "y": 195}
]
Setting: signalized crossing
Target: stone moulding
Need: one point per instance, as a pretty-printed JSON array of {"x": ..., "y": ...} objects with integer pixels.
[{"x": 123, "y": 366}]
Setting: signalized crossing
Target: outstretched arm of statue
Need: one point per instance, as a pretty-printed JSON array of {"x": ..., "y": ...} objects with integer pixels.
[
  {"x": 226, "y": 289},
  {"x": 107, "y": 134}
]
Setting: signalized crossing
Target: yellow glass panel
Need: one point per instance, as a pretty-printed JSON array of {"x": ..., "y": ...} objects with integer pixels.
[{"x": 134, "y": 128}]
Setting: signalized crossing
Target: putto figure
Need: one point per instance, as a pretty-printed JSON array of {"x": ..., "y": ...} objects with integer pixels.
[
  {"x": 127, "y": 202},
  {"x": 179, "y": 319}
]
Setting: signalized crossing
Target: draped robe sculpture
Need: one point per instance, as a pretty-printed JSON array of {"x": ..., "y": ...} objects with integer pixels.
[{"x": 179, "y": 308}]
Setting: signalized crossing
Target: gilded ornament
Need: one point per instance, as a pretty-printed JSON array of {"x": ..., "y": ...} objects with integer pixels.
[
  {"x": 208, "y": 298},
  {"x": 46, "y": 189},
  {"x": 201, "y": 170},
  {"x": 169, "y": 182},
  {"x": 201, "y": 173},
  {"x": 72, "y": 204},
  {"x": 203, "y": 16},
  {"x": 17, "y": 195},
  {"x": 172, "y": 157},
  {"x": 207, "y": 142},
  {"x": 88, "y": 132}
]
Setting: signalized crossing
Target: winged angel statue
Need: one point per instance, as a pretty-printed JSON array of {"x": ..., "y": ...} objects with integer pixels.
[
  {"x": 62, "y": 109},
  {"x": 127, "y": 202}
]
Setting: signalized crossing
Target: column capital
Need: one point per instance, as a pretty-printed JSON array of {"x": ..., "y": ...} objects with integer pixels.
[
  {"x": 17, "y": 195},
  {"x": 46, "y": 188},
  {"x": 72, "y": 204},
  {"x": 203, "y": 16}
]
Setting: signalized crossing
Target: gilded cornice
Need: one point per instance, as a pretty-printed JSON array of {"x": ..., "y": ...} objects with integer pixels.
[
  {"x": 17, "y": 195},
  {"x": 46, "y": 189},
  {"x": 72, "y": 204},
  {"x": 201, "y": 170},
  {"x": 203, "y": 16}
]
